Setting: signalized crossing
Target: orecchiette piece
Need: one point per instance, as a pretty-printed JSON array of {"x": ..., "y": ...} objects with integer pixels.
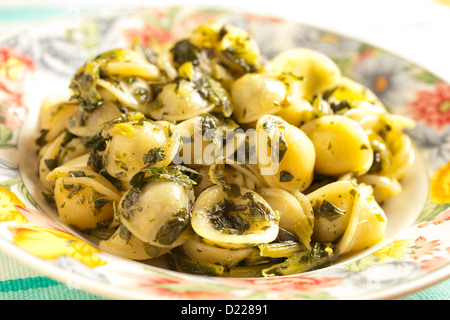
[
  {"x": 158, "y": 213},
  {"x": 192, "y": 150},
  {"x": 341, "y": 145},
  {"x": 332, "y": 205},
  {"x": 127, "y": 245},
  {"x": 233, "y": 45},
  {"x": 127, "y": 63},
  {"x": 237, "y": 219},
  {"x": 57, "y": 152},
  {"x": 384, "y": 187},
  {"x": 286, "y": 155},
  {"x": 179, "y": 101},
  {"x": 255, "y": 95},
  {"x": 203, "y": 139},
  {"x": 206, "y": 252},
  {"x": 403, "y": 153},
  {"x": 76, "y": 164},
  {"x": 296, "y": 110},
  {"x": 316, "y": 71},
  {"x": 54, "y": 113},
  {"x": 292, "y": 216},
  {"x": 135, "y": 144},
  {"x": 350, "y": 90},
  {"x": 84, "y": 198},
  {"x": 165, "y": 63},
  {"x": 366, "y": 224},
  {"x": 231, "y": 175},
  {"x": 87, "y": 124},
  {"x": 372, "y": 117},
  {"x": 133, "y": 93},
  {"x": 48, "y": 159},
  {"x": 141, "y": 69}
]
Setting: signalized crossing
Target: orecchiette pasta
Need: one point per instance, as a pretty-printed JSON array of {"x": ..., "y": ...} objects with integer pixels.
[
  {"x": 125, "y": 244},
  {"x": 335, "y": 138},
  {"x": 286, "y": 155},
  {"x": 366, "y": 223},
  {"x": 353, "y": 92},
  {"x": 136, "y": 143},
  {"x": 55, "y": 112},
  {"x": 315, "y": 72},
  {"x": 158, "y": 212},
  {"x": 245, "y": 218},
  {"x": 204, "y": 153},
  {"x": 87, "y": 123},
  {"x": 179, "y": 101},
  {"x": 256, "y": 95},
  {"x": 210, "y": 253},
  {"x": 292, "y": 216},
  {"x": 84, "y": 199},
  {"x": 332, "y": 204}
]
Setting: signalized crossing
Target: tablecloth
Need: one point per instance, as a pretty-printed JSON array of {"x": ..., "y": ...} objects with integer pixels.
[{"x": 418, "y": 22}]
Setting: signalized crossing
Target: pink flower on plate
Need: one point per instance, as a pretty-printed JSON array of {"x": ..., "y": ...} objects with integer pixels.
[
  {"x": 11, "y": 118},
  {"x": 297, "y": 284},
  {"x": 439, "y": 219},
  {"x": 178, "y": 288},
  {"x": 14, "y": 69},
  {"x": 434, "y": 263},
  {"x": 425, "y": 247},
  {"x": 433, "y": 107}
]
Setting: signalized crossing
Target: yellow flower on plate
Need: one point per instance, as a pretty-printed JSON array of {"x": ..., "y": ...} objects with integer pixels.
[
  {"x": 8, "y": 211},
  {"x": 395, "y": 250},
  {"x": 12, "y": 68},
  {"x": 444, "y": 2},
  {"x": 50, "y": 244},
  {"x": 440, "y": 185}
]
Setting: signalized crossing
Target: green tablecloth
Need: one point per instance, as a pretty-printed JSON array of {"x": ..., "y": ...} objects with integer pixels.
[{"x": 19, "y": 282}]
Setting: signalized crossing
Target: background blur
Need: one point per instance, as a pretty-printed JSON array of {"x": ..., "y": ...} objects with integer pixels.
[{"x": 418, "y": 30}]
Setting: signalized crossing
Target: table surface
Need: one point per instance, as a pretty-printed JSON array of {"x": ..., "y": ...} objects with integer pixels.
[{"x": 421, "y": 24}]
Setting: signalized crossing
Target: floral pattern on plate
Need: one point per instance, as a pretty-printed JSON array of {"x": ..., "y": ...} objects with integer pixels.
[{"x": 46, "y": 56}]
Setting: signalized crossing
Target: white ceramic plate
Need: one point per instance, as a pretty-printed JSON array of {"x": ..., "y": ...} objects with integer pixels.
[{"x": 42, "y": 60}]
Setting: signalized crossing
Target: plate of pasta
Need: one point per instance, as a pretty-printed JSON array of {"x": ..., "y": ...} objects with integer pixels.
[{"x": 174, "y": 153}]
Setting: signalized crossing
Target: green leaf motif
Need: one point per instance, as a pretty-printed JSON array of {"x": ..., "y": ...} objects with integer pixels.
[
  {"x": 5, "y": 134},
  {"x": 11, "y": 182},
  {"x": 25, "y": 193},
  {"x": 362, "y": 264},
  {"x": 426, "y": 77},
  {"x": 431, "y": 211},
  {"x": 345, "y": 64}
]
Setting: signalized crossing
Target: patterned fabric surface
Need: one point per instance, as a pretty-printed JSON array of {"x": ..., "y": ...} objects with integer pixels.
[{"x": 19, "y": 282}]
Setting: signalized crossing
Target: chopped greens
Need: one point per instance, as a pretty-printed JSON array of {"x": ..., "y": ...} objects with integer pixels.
[
  {"x": 154, "y": 156},
  {"x": 321, "y": 255},
  {"x": 327, "y": 210},
  {"x": 185, "y": 51},
  {"x": 175, "y": 173},
  {"x": 173, "y": 228},
  {"x": 285, "y": 176},
  {"x": 225, "y": 217},
  {"x": 85, "y": 87}
]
